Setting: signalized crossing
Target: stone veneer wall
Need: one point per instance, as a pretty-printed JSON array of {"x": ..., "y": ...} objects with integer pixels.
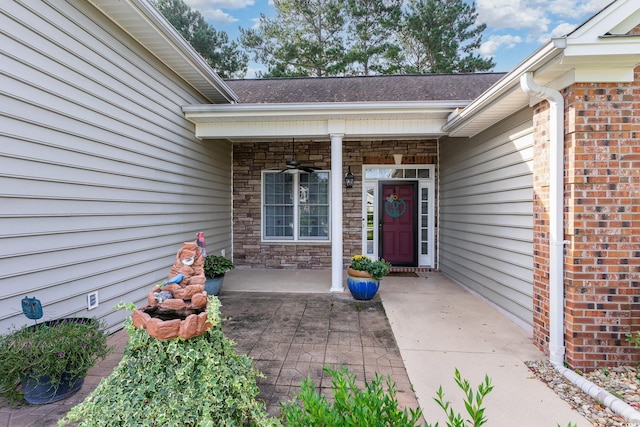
[
  {"x": 250, "y": 158},
  {"x": 602, "y": 223}
]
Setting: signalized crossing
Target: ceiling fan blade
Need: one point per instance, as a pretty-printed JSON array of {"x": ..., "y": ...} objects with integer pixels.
[{"x": 308, "y": 169}]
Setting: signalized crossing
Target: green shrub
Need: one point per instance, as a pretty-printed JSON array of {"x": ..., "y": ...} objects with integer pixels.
[
  {"x": 196, "y": 382},
  {"x": 634, "y": 340},
  {"x": 472, "y": 403},
  {"x": 373, "y": 406}
]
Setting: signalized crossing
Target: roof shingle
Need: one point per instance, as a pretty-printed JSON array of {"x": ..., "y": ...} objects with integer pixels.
[{"x": 424, "y": 87}]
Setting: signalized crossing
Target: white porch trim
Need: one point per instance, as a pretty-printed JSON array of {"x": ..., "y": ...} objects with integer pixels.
[{"x": 336, "y": 213}]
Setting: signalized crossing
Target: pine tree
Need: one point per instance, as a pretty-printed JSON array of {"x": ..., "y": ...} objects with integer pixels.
[
  {"x": 303, "y": 39},
  {"x": 441, "y": 36},
  {"x": 223, "y": 56},
  {"x": 371, "y": 28}
]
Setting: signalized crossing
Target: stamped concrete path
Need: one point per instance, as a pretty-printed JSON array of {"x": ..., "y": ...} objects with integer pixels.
[{"x": 292, "y": 336}]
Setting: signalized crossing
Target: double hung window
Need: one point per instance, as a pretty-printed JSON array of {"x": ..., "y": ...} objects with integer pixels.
[{"x": 295, "y": 206}]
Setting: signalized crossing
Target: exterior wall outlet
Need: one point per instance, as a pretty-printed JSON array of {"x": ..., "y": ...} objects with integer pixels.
[
  {"x": 92, "y": 300},
  {"x": 222, "y": 251}
]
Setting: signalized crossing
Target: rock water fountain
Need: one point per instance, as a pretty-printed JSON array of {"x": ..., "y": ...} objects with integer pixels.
[{"x": 178, "y": 307}]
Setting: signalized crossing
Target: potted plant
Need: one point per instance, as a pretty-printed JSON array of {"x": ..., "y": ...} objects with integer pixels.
[
  {"x": 48, "y": 361},
  {"x": 215, "y": 267},
  {"x": 364, "y": 275}
]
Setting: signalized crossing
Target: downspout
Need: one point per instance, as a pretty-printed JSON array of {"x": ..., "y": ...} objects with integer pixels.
[
  {"x": 556, "y": 208},
  {"x": 556, "y": 249}
]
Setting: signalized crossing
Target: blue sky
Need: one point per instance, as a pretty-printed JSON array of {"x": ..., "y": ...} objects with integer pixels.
[{"x": 515, "y": 28}]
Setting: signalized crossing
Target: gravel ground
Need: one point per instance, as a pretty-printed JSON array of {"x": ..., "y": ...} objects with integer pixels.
[{"x": 622, "y": 382}]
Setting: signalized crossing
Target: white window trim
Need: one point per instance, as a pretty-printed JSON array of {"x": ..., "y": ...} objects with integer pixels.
[{"x": 296, "y": 214}]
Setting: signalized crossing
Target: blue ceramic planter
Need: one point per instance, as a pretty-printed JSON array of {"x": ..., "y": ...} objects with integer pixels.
[
  {"x": 40, "y": 391},
  {"x": 362, "y": 288},
  {"x": 213, "y": 285}
]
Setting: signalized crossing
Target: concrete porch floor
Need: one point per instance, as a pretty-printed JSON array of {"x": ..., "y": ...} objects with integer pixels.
[{"x": 432, "y": 326}]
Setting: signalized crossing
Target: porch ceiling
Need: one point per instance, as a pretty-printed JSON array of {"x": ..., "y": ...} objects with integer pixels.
[{"x": 372, "y": 120}]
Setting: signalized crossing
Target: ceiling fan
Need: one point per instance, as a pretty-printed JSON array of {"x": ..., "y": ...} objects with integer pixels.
[{"x": 293, "y": 165}]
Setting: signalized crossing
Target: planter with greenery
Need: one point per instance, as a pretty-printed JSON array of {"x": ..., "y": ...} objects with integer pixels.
[
  {"x": 48, "y": 361},
  {"x": 215, "y": 267},
  {"x": 364, "y": 275},
  {"x": 200, "y": 381}
]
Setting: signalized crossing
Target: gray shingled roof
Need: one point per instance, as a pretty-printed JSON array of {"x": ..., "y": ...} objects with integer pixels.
[{"x": 426, "y": 87}]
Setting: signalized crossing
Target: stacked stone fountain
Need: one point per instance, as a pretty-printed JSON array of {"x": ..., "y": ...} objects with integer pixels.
[{"x": 178, "y": 307}]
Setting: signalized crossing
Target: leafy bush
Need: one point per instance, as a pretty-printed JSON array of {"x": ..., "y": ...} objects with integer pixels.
[
  {"x": 373, "y": 406},
  {"x": 216, "y": 265},
  {"x": 196, "y": 382},
  {"x": 52, "y": 349},
  {"x": 378, "y": 269},
  {"x": 472, "y": 403},
  {"x": 634, "y": 340}
]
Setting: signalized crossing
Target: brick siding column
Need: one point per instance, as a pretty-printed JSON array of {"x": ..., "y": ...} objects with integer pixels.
[{"x": 602, "y": 193}]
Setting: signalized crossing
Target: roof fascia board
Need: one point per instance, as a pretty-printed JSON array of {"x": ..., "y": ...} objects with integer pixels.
[
  {"x": 146, "y": 11},
  {"x": 203, "y": 113},
  {"x": 509, "y": 83},
  {"x": 615, "y": 18},
  {"x": 604, "y": 75}
]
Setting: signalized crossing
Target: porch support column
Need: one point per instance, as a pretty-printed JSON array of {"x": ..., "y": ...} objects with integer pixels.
[{"x": 336, "y": 213}]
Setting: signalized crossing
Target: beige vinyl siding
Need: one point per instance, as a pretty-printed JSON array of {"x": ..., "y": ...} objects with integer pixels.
[
  {"x": 101, "y": 178},
  {"x": 486, "y": 213}
]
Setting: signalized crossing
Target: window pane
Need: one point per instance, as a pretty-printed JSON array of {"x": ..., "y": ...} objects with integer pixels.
[
  {"x": 314, "y": 205},
  {"x": 370, "y": 217},
  {"x": 278, "y": 205},
  {"x": 314, "y": 221},
  {"x": 378, "y": 173}
]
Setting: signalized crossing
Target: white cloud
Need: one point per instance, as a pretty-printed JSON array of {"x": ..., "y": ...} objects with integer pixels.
[
  {"x": 576, "y": 9},
  {"x": 218, "y": 16},
  {"x": 496, "y": 42},
  {"x": 562, "y": 29},
  {"x": 253, "y": 69},
  {"x": 516, "y": 14},
  {"x": 203, "y": 5}
]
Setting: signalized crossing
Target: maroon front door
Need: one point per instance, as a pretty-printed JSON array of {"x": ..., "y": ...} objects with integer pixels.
[{"x": 398, "y": 223}]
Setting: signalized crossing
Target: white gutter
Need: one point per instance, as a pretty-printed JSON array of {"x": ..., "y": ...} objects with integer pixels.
[
  {"x": 556, "y": 208},
  {"x": 556, "y": 247}
]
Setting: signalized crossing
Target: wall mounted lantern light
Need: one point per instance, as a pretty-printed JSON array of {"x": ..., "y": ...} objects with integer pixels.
[{"x": 348, "y": 179}]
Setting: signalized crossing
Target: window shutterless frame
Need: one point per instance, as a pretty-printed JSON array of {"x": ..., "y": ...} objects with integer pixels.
[{"x": 296, "y": 207}]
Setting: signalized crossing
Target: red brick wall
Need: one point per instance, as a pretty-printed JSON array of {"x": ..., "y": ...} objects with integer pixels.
[
  {"x": 249, "y": 159},
  {"x": 602, "y": 224},
  {"x": 541, "y": 226}
]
